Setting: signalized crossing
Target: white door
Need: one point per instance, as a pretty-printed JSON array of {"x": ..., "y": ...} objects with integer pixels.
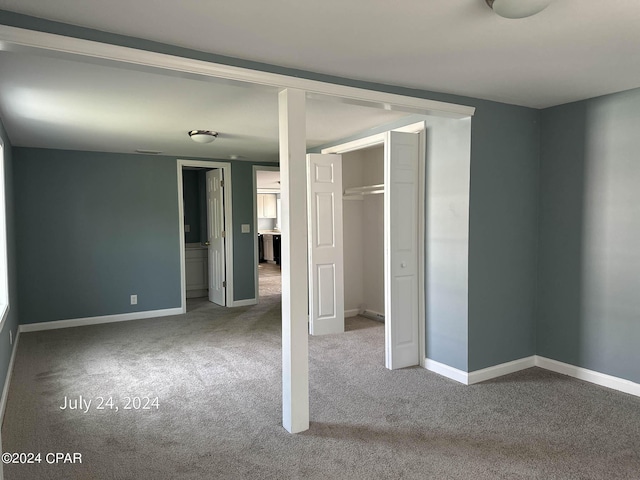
[
  {"x": 216, "y": 237},
  {"x": 402, "y": 344},
  {"x": 326, "y": 277}
]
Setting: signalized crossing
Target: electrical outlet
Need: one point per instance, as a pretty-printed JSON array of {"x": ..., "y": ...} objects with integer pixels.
[
  {"x": 134, "y": 299},
  {"x": 187, "y": 228}
]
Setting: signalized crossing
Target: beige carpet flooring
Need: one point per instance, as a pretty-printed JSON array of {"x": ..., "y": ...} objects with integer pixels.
[{"x": 217, "y": 375}]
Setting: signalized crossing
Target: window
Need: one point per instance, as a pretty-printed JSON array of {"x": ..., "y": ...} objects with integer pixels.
[{"x": 4, "y": 275}]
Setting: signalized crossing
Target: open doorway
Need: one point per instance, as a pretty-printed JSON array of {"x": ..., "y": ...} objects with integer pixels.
[
  {"x": 267, "y": 228},
  {"x": 206, "y": 240},
  {"x": 380, "y": 223}
]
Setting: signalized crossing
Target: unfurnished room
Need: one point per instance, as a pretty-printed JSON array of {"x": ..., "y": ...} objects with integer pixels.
[{"x": 318, "y": 240}]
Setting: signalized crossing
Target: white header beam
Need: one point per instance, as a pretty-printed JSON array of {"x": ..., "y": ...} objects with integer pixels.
[{"x": 18, "y": 39}]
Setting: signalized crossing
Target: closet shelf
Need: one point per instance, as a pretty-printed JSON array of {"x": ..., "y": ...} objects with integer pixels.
[{"x": 355, "y": 192}]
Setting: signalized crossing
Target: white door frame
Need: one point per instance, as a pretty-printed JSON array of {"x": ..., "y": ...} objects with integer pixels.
[
  {"x": 378, "y": 139},
  {"x": 228, "y": 226},
  {"x": 255, "y": 169}
]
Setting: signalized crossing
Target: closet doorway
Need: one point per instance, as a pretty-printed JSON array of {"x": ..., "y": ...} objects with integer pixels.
[{"x": 373, "y": 266}]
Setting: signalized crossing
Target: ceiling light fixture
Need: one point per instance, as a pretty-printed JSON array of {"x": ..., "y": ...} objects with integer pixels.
[
  {"x": 518, "y": 8},
  {"x": 203, "y": 136}
]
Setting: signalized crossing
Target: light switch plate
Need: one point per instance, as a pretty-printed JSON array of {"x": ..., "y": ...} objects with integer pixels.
[{"x": 246, "y": 228}]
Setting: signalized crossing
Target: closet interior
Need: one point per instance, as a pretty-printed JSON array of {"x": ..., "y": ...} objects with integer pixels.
[{"x": 363, "y": 232}]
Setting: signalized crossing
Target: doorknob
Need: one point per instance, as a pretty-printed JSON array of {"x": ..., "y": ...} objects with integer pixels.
[{"x": 206, "y": 244}]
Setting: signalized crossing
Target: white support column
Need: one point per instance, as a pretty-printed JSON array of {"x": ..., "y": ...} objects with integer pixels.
[{"x": 293, "y": 186}]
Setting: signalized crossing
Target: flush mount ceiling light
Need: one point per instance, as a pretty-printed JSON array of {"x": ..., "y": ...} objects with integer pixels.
[
  {"x": 518, "y": 8},
  {"x": 203, "y": 136}
]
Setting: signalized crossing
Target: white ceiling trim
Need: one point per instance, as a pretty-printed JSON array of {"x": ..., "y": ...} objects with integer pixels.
[{"x": 13, "y": 38}]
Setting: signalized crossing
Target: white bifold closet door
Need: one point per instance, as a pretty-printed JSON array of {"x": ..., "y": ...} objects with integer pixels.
[
  {"x": 326, "y": 269},
  {"x": 401, "y": 163}
]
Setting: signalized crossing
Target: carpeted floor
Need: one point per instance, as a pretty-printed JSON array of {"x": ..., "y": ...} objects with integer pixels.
[{"x": 216, "y": 373}]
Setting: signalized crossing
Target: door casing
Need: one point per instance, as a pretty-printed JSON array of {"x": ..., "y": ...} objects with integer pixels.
[{"x": 228, "y": 220}]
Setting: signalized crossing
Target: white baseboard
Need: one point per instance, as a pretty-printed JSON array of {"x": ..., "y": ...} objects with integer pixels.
[
  {"x": 80, "y": 322},
  {"x": 591, "y": 376},
  {"x": 244, "y": 303},
  {"x": 7, "y": 380},
  {"x": 447, "y": 371},
  {"x": 580, "y": 373},
  {"x": 351, "y": 313},
  {"x": 478, "y": 376}
]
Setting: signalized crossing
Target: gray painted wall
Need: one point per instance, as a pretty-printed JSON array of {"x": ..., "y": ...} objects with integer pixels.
[
  {"x": 504, "y": 146},
  {"x": 243, "y": 243},
  {"x": 447, "y": 241},
  {"x": 94, "y": 228},
  {"x": 503, "y": 234},
  {"x": 11, "y": 323},
  {"x": 589, "y": 308}
]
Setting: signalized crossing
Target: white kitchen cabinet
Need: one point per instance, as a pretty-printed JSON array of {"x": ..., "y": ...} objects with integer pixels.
[
  {"x": 260, "y": 205},
  {"x": 266, "y": 205}
]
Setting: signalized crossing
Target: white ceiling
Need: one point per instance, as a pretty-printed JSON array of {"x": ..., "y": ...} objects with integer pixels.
[
  {"x": 64, "y": 104},
  {"x": 574, "y": 49}
]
